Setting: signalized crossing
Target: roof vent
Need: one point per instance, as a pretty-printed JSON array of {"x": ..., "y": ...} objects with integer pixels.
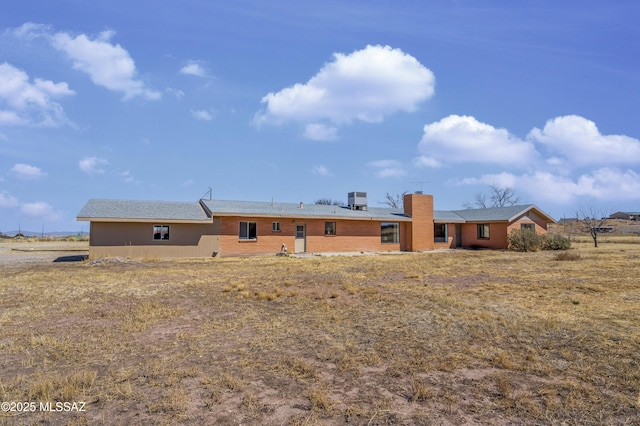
[{"x": 357, "y": 200}]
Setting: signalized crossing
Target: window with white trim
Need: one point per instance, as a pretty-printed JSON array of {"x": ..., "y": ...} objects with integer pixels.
[{"x": 275, "y": 226}]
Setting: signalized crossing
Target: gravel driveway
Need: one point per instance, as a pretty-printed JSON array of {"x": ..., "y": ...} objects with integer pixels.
[{"x": 15, "y": 254}]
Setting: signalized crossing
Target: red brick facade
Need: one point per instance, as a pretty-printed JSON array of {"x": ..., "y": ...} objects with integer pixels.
[
  {"x": 258, "y": 231},
  {"x": 351, "y": 235},
  {"x": 420, "y": 230}
]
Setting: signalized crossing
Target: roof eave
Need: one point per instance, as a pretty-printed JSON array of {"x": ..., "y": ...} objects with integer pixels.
[
  {"x": 141, "y": 220},
  {"x": 320, "y": 217},
  {"x": 548, "y": 218}
]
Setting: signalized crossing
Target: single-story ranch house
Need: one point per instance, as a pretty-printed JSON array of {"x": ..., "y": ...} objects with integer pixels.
[{"x": 208, "y": 228}]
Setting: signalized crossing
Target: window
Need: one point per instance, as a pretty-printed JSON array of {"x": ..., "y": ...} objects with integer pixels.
[
  {"x": 531, "y": 226},
  {"x": 248, "y": 231},
  {"x": 440, "y": 232},
  {"x": 483, "y": 231},
  {"x": 275, "y": 226},
  {"x": 329, "y": 228},
  {"x": 389, "y": 232},
  {"x": 160, "y": 232}
]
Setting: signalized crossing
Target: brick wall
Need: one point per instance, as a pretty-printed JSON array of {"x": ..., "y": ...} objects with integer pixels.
[
  {"x": 420, "y": 232},
  {"x": 351, "y": 235},
  {"x": 497, "y": 236}
]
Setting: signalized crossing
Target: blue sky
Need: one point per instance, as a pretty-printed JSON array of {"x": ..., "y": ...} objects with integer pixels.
[{"x": 299, "y": 100}]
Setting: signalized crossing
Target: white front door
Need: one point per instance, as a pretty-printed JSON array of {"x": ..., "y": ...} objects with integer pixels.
[{"x": 301, "y": 239}]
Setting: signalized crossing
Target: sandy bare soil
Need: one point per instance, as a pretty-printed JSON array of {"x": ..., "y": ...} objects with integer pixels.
[
  {"x": 447, "y": 338},
  {"x": 17, "y": 253}
]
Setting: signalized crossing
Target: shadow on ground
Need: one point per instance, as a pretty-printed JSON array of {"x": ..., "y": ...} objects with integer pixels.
[{"x": 73, "y": 258}]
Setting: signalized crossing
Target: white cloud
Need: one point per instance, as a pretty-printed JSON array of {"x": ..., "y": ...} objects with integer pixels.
[
  {"x": 571, "y": 143},
  {"x": 387, "y": 168},
  {"x": 108, "y": 65},
  {"x": 321, "y": 170},
  {"x": 10, "y": 118},
  {"x": 7, "y": 200},
  {"x": 601, "y": 184},
  {"x": 42, "y": 210},
  {"x": 27, "y": 172},
  {"x": 127, "y": 177},
  {"x": 203, "y": 115},
  {"x": 581, "y": 143},
  {"x": 463, "y": 139},
  {"x": 92, "y": 165},
  {"x": 193, "y": 68},
  {"x": 30, "y": 102},
  {"x": 425, "y": 161},
  {"x": 365, "y": 85},
  {"x": 320, "y": 132},
  {"x": 503, "y": 179},
  {"x": 179, "y": 94},
  {"x": 31, "y": 30}
]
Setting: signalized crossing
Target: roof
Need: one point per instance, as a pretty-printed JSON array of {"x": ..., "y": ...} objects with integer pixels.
[
  {"x": 133, "y": 210},
  {"x": 500, "y": 214},
  {"x": 445, "y": 216},
  {"x": 120, "y": 210},
  {"x": 300, "y": 210}
]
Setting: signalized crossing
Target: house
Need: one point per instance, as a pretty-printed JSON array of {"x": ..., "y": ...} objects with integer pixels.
[
  {"x": 626, "y": 215},
  {"x": 238, "y": 228}
]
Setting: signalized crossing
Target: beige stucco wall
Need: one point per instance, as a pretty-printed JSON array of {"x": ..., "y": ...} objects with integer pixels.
[{"x": 135, "y": 240}]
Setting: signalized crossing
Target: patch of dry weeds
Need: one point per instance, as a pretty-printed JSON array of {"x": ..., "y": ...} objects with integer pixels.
[{"x": 465, "y": 336}]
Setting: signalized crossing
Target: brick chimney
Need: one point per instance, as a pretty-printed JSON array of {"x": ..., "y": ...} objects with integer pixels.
[{"x": 419, "y": 233}]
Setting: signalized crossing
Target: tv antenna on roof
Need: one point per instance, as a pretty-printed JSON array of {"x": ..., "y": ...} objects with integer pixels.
[
  {"x": 421, "y": 182},
  {"x": 209, "y": 192}
]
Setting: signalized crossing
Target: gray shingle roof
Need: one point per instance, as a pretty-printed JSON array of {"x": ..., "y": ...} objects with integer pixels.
[
  {"x": 446, "y": 216},
  {"x": 133, "y": 209},
  {"x": 498, "y": 214},
  {"x": 275, "y": 209},
  {"x": 98, "y": 209}
]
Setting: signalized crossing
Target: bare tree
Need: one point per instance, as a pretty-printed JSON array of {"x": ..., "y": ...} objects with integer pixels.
[
  {"x": 328, "y": 202},
  {"x": 395, "y": 201},
  {"x": 503, "y": 196},
  {"x": 499, "y": 196},
  {"x": 593, "y": 221},
  {"x": 479, "y": 202}
]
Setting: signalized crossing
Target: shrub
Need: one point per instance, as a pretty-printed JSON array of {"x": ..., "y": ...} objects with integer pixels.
[
  {"x": 529, "y": 240},
  {"x": 566, "y": 255},
  {"x": 555, "y": 242},
  {"x": 524, "y": 240}
]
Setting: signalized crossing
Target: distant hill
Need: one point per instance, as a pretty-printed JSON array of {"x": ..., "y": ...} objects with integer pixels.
[{"x": 46, "y": 234}]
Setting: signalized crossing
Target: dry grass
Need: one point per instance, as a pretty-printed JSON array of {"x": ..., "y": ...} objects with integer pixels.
[{"x": 467, "y": 336}]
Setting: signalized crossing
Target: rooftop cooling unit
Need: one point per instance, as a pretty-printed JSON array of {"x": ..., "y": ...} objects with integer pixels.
[{"x": 357, "y": 200}]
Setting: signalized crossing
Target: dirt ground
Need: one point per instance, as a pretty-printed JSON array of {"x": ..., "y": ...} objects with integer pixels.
[
  {"x": 455, "y": 338},
  {"x": 18, "y": 253}
]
